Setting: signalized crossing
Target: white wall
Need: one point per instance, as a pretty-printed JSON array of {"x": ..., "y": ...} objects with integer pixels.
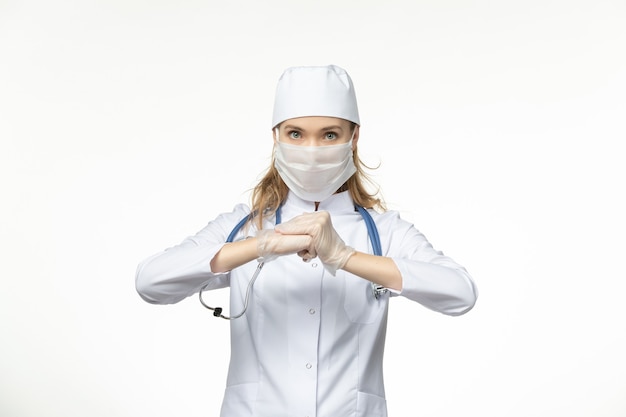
[{"x": 127, "y": 125}]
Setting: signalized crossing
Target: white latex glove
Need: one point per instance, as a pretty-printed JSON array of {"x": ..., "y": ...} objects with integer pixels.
[
  {"x": 271, "y": 245},
  {"x": 331, "y": 250}
]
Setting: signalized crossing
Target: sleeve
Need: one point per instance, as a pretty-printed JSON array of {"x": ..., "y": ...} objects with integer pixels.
[
  {"x": 428, "y": 276},
  {"x": 175, "y": 273}
]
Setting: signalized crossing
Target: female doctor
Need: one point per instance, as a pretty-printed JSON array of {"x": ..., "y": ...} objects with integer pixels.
[{"x": 311, "y": 337}]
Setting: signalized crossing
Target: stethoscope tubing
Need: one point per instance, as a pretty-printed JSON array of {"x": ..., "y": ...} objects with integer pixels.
[
  {"x": 217, "y": 311},
  {"x": 372, "y": 232}
]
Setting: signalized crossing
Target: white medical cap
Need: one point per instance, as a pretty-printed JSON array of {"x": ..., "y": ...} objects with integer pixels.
[{"x": 315, "y": 91}]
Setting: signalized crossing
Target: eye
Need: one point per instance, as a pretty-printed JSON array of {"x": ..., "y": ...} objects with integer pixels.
[
  {"x": 330, "y": 136},
  {"x": 294, "y": 134}
]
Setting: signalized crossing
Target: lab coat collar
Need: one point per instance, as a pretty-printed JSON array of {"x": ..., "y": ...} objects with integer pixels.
[{"x": 336, "y": 203}]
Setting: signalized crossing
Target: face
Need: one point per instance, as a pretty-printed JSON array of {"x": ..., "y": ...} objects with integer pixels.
[{"x": 317, "y": 131}]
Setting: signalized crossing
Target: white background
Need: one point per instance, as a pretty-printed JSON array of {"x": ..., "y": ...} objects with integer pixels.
[{"x": 127, "y": 125}]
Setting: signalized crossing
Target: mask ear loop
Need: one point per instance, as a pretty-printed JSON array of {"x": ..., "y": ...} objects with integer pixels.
[{"x": 352, "y": 138}]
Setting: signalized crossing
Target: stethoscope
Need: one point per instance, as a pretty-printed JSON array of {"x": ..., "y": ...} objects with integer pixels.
[{"x": 372, "y": 232}]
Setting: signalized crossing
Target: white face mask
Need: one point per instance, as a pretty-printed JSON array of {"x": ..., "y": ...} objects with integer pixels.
[{"x": 314, "y": 173}]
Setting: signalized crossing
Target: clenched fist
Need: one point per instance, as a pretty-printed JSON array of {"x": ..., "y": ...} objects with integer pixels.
[
  {"x": 271, "y": 245},
  {"x": 326, "y": 243}
]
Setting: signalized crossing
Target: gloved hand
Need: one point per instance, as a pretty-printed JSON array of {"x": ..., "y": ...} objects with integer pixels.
[
  {"x": 271, "y": 245},
  {"x": 332, "y": 251}
]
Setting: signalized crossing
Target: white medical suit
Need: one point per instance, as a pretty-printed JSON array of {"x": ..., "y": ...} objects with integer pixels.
[{"x": 310, "y": 344}]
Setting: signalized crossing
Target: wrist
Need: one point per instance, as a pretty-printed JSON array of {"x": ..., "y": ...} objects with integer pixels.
[
  {"x": 234, "y": 254},
  {"x": 338, "y": 260}
]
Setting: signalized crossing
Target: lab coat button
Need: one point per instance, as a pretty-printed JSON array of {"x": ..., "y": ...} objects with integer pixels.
[
  {"x": 314, "y": 265},
  {"x": 308, "y": 366},
  {"x": 312, "y": 311}
]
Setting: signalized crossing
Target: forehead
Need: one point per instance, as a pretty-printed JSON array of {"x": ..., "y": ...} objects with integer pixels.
[{"x": 315, "y": 123}]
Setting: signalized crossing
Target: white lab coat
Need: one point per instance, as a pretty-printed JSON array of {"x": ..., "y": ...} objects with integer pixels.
[{"x": 310, "y": 344}]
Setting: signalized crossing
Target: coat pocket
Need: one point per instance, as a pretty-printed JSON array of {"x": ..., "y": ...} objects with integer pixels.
[
  {"x": 368, "y": 405},
  {"x": 360, "y": 304},
  {"x": 239, "y": 400}
]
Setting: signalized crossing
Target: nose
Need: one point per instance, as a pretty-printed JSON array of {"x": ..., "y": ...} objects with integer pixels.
[{"x": 308, "y": 141}]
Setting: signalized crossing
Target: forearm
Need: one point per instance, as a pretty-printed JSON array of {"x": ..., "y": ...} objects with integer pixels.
[
  {"x": 446, "y": 288},
  {"x": 235, "y": 254},
  {"x": 377, "y": 269},
  {"x": 176, "y": 273},
  {"x": 172, "y": 275}
]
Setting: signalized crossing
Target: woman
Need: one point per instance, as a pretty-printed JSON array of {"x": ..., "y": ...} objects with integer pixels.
[{"x": 310, "y": 342}]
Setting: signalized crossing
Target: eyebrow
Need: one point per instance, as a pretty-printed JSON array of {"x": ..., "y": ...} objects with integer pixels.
[{"x": 324, "y": 129}]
